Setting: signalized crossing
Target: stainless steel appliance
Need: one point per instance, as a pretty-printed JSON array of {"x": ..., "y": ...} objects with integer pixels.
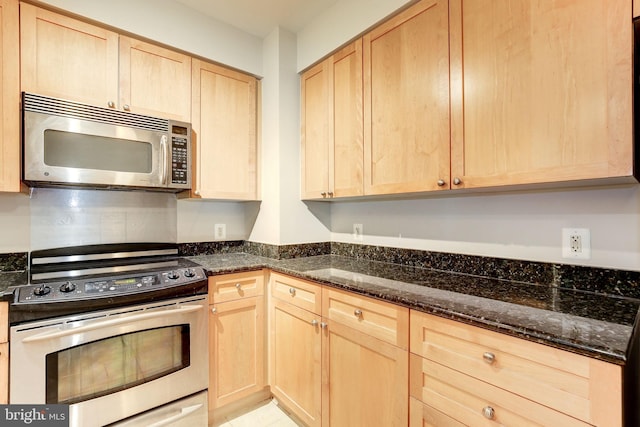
[
  {"x": 118, "y": 332},
  {"x": 70, "y": 144}
]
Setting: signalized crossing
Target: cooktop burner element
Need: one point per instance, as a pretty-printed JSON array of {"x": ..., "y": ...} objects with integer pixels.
[{"x": 87, "y": 278}]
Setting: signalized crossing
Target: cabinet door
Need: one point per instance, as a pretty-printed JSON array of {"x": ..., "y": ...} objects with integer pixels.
[
  {"x": 332, "y": 128},
  {"x": 541, "y": 91},
  {"x": 154, "y": 81},
  {"x": 225, "y": 127},
  {"x": 368, "y": 380},
  {"x": 295, "y": 362},
  {"x": 237, "y": 350},
  {"x": 406, "y": 99},
  {"x": 315, "y": 138},
  {"x": 346, "y": 151},
  {"x": 66, "y": 58},
  {"x": 9, "y": 97}
]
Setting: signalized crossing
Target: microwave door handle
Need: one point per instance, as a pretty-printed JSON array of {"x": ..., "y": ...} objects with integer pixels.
[
  {"x": 165, "y": 160},
  {"x": 183, "y": 413},
  {"x": 58, "y": 333}
]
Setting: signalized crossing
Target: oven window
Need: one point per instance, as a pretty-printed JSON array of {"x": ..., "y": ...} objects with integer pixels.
[
  {"x": 113, "y": 364},
  {"x": 84, "y": 151}
]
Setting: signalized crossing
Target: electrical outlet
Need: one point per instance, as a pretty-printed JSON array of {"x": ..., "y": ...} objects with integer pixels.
[
  {"x": 220, "y": 231},
  {"x": 576, "y": 243},
  {"x": 357, "y": 231}
]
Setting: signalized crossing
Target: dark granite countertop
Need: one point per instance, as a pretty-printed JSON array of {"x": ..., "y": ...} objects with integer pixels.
[
  {"x": 10, "y": 279},
  {"x": 592, "y": 324}
]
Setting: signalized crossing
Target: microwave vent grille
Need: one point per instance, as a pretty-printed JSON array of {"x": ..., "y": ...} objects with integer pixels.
[{"x": 76, "y": 110}]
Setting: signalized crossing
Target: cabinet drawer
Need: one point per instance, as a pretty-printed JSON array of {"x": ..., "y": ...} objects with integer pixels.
[
  {"x": 474, "y": 402},
  {"x": 572, "y": 384},
  {"x": 301, "y": 293},
  {"x": 423, "y": 415},
  {"x": 385, "y": 321},
  {"x": 228, "y": 287}
]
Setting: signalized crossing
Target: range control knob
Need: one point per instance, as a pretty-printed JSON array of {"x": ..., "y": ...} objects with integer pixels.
[
  {"x": 189, "y": 272},
  {"x": 68, "y": 287},
  {"x": 41, "y": 290},
  {"x": 173, "y": 275}
]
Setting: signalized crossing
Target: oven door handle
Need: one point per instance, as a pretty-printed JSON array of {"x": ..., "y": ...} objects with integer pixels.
[
  {"x": 184, "y": 412},
  {"x": 111, "y": 322}
]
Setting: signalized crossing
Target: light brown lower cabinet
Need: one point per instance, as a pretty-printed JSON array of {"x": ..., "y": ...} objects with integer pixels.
[
  {"x": 367, "y": 380},
  {"x": 480, "y": 377},
  {"x": 237, "y": 359},
  {"x": 423, "y": 415},
  {"x": 296, "y": 343},
  {"x": 338, "y": 358}
]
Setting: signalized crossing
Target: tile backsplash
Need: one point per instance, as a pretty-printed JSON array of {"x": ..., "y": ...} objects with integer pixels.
[{"x": 63, "y": 217}]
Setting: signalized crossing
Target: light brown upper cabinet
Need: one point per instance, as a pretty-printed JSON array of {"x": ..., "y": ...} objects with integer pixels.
[
  {"x": 540, "y": 91},
  {"x": 9, "y": 103},
  {"x": 225, "y": 120},
  {"x": 67, "y": 58},
  {"x": 636, "y": 8},
  {"x": 154, "y": 81},
  {"x": 70, "y": 59},
  {"x": 332, "y": 127},
  {"x": 406, "y": 101}
]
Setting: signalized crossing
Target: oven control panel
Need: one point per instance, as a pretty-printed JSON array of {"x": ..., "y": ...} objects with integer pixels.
[{"x": 108, "y": 286}]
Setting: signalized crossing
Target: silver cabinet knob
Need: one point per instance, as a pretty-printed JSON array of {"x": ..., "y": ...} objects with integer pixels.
[
  {"x": 457, "y": 181},
  {"x": 441, "y": 183},
  {"x": 213, "y": 310},
  {"x": 111, "y": 104},
  {"x": 330, "y": 193},
  {"x": 488, "y": 412},
  {"x": 238, "y": 286},
  {"x": 489, "y": 357},
  {"x": 292, "y": 291},
  {"x": 197, "y": 192},
  {"x": 314, "y": 322},
  {"x": 323, "y": 194},
  {"x": 357, "y": 312},
  {"x": 126, "y": 107},
  {"x": 323, "y": 325}
]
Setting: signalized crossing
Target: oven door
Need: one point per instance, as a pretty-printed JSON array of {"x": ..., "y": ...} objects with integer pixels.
[{"x": 114, "y": 364}]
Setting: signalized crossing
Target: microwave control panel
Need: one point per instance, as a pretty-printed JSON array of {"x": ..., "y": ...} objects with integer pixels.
[{"x": 179, "y": 154}]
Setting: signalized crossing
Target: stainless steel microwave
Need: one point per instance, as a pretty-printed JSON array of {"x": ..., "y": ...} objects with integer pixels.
[{"x": 71, "y": 144}]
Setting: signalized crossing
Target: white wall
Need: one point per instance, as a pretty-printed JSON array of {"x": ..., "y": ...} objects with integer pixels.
[
  {"x": 283, "y": 218},
  {"x": 511, "y": 225}
]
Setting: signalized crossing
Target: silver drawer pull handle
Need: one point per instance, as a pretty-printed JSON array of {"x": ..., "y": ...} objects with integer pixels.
[
  {"x": 489, "y": 357},
  {"x": 292, "y": 291},
  {"x": 314, "y": 322},
  {"x": 238, "y": 285},
  {"x": 488, "y": 412},
  {"x": 357, "y": 312}
]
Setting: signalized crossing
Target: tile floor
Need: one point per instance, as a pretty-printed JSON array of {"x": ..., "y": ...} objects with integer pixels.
[{"x": 267, "y": 415}]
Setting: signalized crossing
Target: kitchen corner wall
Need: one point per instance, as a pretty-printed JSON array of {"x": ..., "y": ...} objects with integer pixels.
[{"x": 524, "y": 225}]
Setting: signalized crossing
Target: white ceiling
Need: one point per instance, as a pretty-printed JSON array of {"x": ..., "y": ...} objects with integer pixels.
[{"x": 260, "y": 17}]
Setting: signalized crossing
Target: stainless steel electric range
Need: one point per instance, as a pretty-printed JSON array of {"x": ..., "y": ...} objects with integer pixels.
[{"x": 117, "y": 332}]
